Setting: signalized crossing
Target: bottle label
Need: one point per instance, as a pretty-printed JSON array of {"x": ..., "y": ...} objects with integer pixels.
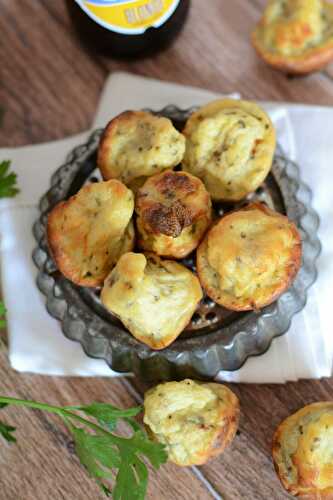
[{"x": 130, "y": 17}]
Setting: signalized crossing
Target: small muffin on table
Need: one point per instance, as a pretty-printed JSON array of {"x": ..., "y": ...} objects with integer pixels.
[
  {"x": 249, "y": 258},
  {"x": 138, "y": 144},
  {"x": 230, "y": 146},
  {"x": 174, "y": 211},
  {"x": 295, "y": 36},
  {"x": 194, "y": 420},
  {"x": 155, "y": 299},
  {"x": 90, "y": 231},
  {"x": 303, "y": 452}
]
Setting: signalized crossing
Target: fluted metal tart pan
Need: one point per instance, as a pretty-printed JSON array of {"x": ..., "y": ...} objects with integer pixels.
[{"x": 215, "y": 339}]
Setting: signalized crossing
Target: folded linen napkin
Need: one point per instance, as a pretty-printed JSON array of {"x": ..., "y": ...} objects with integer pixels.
[{"x": 36, "y": 343}]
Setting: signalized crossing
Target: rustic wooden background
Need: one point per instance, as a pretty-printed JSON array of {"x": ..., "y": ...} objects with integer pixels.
[{"x": 49, "y": 88}]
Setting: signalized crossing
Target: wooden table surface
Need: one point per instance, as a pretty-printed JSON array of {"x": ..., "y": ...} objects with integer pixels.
[{"x": 49, "y": 88}]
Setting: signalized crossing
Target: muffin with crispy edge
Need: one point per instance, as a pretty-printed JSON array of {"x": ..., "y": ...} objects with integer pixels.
[
  {"x": 194, "y": 420},
  {"x": 249, "y": 258},
  {"x": 303, "y": 452},
  {"x": 155, "y": 299},
  {"x": 90, "y": 231},
  {"x": 174, "y": 211},
  {"x": 230, "y": 146},
  {"x": 295, "y": 36},
  {"x": 138, "y": 144}
]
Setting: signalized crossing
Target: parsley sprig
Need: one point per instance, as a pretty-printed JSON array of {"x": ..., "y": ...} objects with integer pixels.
[
  {"x": 8, "y": 186},
  {"x": 99, "y": 449},
  {"x": 2, "y": 315},
  {"x": 8, "y": 189}
]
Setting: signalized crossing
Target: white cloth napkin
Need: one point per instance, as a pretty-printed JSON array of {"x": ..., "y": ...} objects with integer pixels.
[{"x": 36, "y": 343}]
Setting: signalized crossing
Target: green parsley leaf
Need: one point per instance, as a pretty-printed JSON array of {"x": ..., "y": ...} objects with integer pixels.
[
  {"x": 6, "y": 432},
  {"x": 107, "y": 415},
  {"x": 8, "y": 187},
  {"x": 132, "y": 480},
  {"x": 105, "y": 455},
  {"x": 96, "y": 453},
  {"x": 2, "y": 315},
  {"x": 154, "y": 452},
  {"x": 106, "y": 490}
]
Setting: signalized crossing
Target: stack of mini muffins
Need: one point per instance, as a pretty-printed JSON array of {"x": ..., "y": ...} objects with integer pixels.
[{"x": 245, "y": 259}]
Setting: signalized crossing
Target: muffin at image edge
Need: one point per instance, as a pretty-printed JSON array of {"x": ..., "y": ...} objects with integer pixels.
[
  {"x": 194, "y": 420},
  {"x": 230, "y": 146},
  {"x": 295, "y": 36},
  {"x": 154, "y": 298},
  {"x": 174, "y": 211},
  {"x": 303, "y": 452},
  {"x": 249, "y": 258},
  {"x": 90, "y": 231},
  {"x": 138, "y": 144}
]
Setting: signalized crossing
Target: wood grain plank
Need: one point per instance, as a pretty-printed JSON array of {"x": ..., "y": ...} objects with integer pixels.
[{"x": 49, "y": 86}]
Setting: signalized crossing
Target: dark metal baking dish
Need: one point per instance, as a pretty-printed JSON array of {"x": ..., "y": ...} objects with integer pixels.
[{"x": 215, "y": 339}]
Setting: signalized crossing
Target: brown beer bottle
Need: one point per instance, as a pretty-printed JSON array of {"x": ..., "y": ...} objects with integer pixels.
[{"x": 127, "y": 28}]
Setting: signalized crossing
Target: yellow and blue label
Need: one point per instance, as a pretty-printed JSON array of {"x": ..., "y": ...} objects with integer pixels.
[{"x": 130, "y": 17}]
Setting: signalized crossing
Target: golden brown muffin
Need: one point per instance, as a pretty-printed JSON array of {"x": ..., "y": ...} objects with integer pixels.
[
  {"x": 295, "y": 36},
  {"x": 303, "y": 452},
  {"x": 136, "y": 145},
  {"x": 174, "y": 211},
  {"x": 229, "y": 146},
  {"x": 89, "y": 232},
  {"x": 194, "y": 420},
  {"x": 249, "y": 258},
  {"x": 153, "y": 298}
]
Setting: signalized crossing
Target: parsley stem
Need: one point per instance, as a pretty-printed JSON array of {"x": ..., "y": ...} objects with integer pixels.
[
  {"x": 31, "y": 404},
  {"x": 62, "y": 412}
]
